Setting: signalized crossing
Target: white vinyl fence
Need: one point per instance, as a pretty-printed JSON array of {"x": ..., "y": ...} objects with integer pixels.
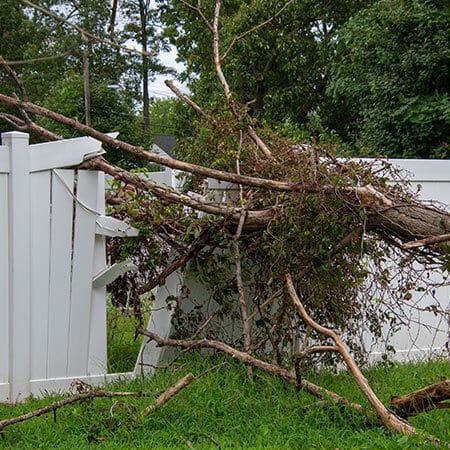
[
  {"x": 52, "y": 266},
  {"x": 53, "y": 269},
  {"x": 422, "y": 333}
]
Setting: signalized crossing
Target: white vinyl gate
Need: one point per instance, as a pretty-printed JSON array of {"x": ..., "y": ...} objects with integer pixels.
[{"x": 52, "y": 266}]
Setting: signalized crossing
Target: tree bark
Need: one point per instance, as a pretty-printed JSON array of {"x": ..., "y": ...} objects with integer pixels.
[{"x": 425, "y": 399}]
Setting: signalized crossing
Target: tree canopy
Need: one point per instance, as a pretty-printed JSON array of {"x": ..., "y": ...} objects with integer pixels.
[{"x": 390, "y": 79}]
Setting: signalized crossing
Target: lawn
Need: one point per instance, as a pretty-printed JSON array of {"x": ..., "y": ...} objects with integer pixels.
[{"x": 223, "y": 409}]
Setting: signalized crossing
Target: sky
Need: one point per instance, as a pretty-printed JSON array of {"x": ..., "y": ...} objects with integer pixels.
[{"x": 157, "y": 88}]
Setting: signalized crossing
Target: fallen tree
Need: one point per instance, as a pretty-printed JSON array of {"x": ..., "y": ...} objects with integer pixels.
[{"x": 297, "y": 209}]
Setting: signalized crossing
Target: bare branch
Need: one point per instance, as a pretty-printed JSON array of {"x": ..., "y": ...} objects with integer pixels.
[
  {"x": 216, "y": 51},
  {"x": 42, "y": 58},
  {"x": 18, "y": 124},
  {"x": 192, "y": 251},
  {"x": 390, "y": 420},
  {"x": 266, "y": 303},
  {"x": 169, "y": 393},
  {"x": 15, "y": 77},
  {"x": 160, "y": 159},
  {"x": 427, "y": 241},
  {"x": 185, "y": 98},
  {"x": 316, "y": 349},
  {"x": 66, "y": 401},
  {"x": 199, "y": 12},
  {"x": 425, "y": 399},
  {"x": 284, "y": 374},
  {"x": 223, "y": 81}
]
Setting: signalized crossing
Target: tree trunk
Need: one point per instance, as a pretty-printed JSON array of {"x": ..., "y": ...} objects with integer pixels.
[
  {"x": 410, "y": 221},
  {"x": 145, "y": 69}
]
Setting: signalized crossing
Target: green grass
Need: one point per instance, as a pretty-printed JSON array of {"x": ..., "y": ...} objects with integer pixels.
[
  {"x": 123, "y": 345},
  {"x": 226, "y": 407}
]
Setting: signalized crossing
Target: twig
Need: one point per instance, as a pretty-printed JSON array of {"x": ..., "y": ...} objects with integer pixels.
[
  {"x": 199, "y": 12},
  {"x": 169, "y": 393},
  {"x": 206, "y": 322},
  {"x": 185, "y": 98},
  {"x": 66, "y": 401},
  {"x": 42, "y": 58},
  {"x": 192, "y": 251},
  {"x": 427, "y": 241},
  {"x": 253, "y": 29},
  {"x": 15, "y": 77},
  {"x": 266, "y": 303}
]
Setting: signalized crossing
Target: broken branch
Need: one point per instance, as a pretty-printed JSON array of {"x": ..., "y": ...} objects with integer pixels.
[
  {"x": 169, "y": 393},
  {"x": 425, "y": 399},
  {"x": 390, "y": 420}
]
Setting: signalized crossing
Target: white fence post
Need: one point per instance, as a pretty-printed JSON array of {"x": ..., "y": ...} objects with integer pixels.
[
  {"x": 4, "y": 272},
  {"x": 19, "y": 265}
]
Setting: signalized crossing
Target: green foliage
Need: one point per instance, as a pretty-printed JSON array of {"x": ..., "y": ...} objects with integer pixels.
[
  {"x": 319, "y": 236},
  {"x": 57, "y": 83},
  {"x": 165, "y": 115},
  {"x": 390, "y": 79},
  {"x": 226, "y": 407},
  {"x": 280, "y": 70}
]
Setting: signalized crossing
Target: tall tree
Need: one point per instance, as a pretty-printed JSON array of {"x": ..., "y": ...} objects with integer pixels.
[
  {"x": 142, "y": 27},
  {"x": 280, "y": 70},
  {"x": 390, "y": 80}
]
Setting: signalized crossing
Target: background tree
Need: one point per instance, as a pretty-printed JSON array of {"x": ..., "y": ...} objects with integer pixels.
[
  {"x": 142, "y": 26},
  {"x": 390, "y": 79},
  {"x": 280, "y": 71}
]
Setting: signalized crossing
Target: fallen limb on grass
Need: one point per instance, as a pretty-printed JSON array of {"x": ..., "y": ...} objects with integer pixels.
[
  {"x": 280, "y": 372},
  {"x": 64, "y": 402},
  {"x": 95, "y": 393},
  {"x": 425, "y": 399},
  {"x": 169, "y": 393},
  {"x": 389, "y": 419}
]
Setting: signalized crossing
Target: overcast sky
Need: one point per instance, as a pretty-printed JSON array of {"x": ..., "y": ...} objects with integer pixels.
[{"x": 157, "y": 88}]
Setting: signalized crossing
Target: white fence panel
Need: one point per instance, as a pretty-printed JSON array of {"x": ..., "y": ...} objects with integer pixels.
[
  {"x": 40, "y": 191},
  {"x": 97, "y": 329},
  {"x": 60, "y": 272},
  {"x": 52, "y": 319},
  {"x": 83, "y": 259},
  {"x": 422, "y": 333}
]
